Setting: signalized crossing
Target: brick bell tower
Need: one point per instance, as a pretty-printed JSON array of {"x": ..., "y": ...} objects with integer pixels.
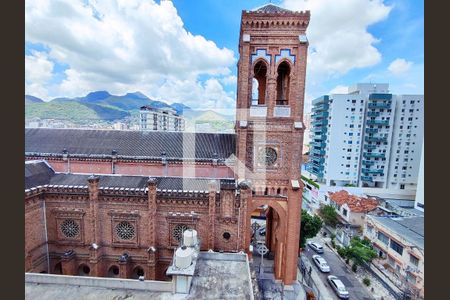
[{"x": 269, "y": 126}]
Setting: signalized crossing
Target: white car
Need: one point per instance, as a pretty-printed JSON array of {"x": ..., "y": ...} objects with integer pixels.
[
  {"x": 338, "y": 287},
  {"x": 321, "y": 263},
  {"x": 316, "y": 247}
]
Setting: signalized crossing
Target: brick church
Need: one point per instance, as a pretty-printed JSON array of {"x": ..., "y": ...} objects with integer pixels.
[{"x": 115, "y": 203}]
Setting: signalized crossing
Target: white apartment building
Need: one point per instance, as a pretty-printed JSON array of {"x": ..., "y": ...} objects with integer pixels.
[
  {"x": 419, "y": 202},
  {"x": 367, "y": 138},
  {"x": 164, "y": 119}
]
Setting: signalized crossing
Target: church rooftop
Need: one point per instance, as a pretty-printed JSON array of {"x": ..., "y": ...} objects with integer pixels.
[{"x": 271, "y": 8}]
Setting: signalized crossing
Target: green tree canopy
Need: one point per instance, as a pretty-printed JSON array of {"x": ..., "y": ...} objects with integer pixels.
[
  {"x": 310, "y": 226},
  {"x": 329, "y": 215},
  {"x": 360, "y": 251}
]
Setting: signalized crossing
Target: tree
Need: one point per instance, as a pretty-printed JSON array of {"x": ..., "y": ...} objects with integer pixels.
[
  {"x": 329, "y": 215},
  {"x": 360, "y": 251},
  {"x": 310, "y": 226}
]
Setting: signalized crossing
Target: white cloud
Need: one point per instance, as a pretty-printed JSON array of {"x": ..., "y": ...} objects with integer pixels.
[
  {"x": 339, "y": 89},
  {"x": 38, "y": 72},
  {"x": 123, "y": 46},
  {"x": 400, "y": 66},
  {"x": 338, "y": 36},
  {"x": 229, "y": 80}
]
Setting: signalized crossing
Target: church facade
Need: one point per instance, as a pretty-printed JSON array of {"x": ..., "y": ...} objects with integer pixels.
[{"x": 126, "y": 220}]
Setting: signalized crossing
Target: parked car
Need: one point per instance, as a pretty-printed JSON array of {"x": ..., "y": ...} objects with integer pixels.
[
  {"x": 316, "y": 247},
  {"x": 321, "y": 263},
  {"x": 338, "y": 287}
]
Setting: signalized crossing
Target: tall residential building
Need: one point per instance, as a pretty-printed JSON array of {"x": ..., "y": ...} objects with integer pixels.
[
  {"x": 419, "y": 202},
  {"x": 367, "y": 138},
  {"x": 160, "y": 119}
]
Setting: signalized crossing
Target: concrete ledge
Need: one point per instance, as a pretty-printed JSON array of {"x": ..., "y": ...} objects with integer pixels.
[{"x": 101, "y": 282}]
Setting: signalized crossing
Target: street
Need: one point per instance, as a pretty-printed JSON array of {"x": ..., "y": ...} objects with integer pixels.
[{"x": 339, "y": 269}]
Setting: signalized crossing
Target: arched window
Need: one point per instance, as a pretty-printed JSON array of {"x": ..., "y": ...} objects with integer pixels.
[
  {"x": 283, "y": 83},
  {"x": 137, "y": 272},
  {"x": 259, "y": 84},
  {"x": 113, "y": 271},
  {"x": 84, "y": 270}
]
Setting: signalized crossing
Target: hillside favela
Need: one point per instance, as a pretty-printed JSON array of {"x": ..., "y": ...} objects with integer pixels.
[{"x": 224, "y": 150}]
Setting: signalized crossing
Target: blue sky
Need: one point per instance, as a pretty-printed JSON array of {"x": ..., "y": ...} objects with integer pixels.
[{"x": 186, "y": 51}]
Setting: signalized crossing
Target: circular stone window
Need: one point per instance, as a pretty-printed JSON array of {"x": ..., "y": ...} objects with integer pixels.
[
  {"x": 70, "y": 228},
  {"x": 178, "y": 231},
  {"x": 226, "y": 235},
  {"x": 267, "y": 156},
  {"x": 125, "y": 230}
]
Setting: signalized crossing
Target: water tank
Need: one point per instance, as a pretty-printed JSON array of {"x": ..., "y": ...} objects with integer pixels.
[
  {"x": 183, "y": 257},
  {"x": 190, "y": 237}
]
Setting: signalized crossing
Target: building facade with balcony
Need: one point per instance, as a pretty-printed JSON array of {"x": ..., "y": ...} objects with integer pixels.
[
  {"x": 367, "y": 138},
  {"x": 164, "y": 119},
  {"x": 401, "y": 250}
]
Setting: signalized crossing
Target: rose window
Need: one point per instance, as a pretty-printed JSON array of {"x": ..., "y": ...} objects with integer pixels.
[
  {"x": 70, "y": 228},
  {"x": 178, "y": 231},
  {"x": 125, "y": 230}
]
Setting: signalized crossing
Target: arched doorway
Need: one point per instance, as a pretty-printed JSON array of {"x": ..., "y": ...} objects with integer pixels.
[
  {"x": 113, "y": 271},
  {"x": 58, "y": 269},
  {"x": 267, "y": 221},
  {"x": 138, "y": 271},
  {"x": 84, "y": 270}
]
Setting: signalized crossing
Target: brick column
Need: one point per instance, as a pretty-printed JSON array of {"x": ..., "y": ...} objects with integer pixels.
[
  {"x": 292, "y": 235},
  {"x": 212, "y": 213},
  {"x": 271, "y": 93},
  {"x": 68, "y": 263},
  {"x": 245, "y": 230},
  {"x": 94, "y": 239},
  {"x": 152, "y": 254}
]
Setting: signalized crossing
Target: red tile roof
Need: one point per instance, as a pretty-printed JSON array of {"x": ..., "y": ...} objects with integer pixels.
[{"x": 355, "y": 203}]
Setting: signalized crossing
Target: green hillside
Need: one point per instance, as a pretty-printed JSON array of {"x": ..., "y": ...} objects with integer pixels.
[{"x": 73, "y": 111}]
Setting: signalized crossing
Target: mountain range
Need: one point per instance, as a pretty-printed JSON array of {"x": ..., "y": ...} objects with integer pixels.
[{"x": 98, "y": 105}]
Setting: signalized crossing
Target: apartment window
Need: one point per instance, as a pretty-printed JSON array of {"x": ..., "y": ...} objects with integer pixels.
[
  {"x": 383, "y": 238},
  {"x": 350, "y": 142},
  {"x": 401, "y": 119},
  {"x": 350, "y": 134},
  {"x": 344, "y": 212},
  {"x": 362, "y": 101},
  {"x": 401, "y": 127},
  {"x": 353, "y": 101},
  {"x": 348, "y": 157},
  {"x": 351, "y": 126},
  {"x": 396, "y": 247},
  {"x": 410, "y": 119},
  {"x": 396, "y": 167},
  {"x": 414, "y": 260},
  {"x": 412, "y": 101},
  {"x": 402, "y": 186},
  {"x": 352, "y": 109},
  {"x": 403, "y": 110}
]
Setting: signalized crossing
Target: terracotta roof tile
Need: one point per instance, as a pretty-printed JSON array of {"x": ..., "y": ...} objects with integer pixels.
[{"x": 355, "y": 203}]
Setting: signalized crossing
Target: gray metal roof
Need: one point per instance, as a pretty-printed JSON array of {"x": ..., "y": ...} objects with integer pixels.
[
  {"x": 40, "y": 173},
  {"x": 271, "y": 8},
  {"x": 37, "y": 172},
  {"x": 152, "y": 144},
  {"x": 410, "y": 228}
]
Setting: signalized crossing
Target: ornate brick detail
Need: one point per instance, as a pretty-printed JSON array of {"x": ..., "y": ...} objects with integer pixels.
[
  {"x": 72, "y": 217},
  {"x": 124, "y": 228}
]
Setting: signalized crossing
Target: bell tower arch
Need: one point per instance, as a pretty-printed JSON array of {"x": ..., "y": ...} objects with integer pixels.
[{"x": 272, "y": 55}]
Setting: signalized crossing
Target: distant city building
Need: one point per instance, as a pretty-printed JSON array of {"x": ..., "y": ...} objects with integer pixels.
[
  {"x": 163, "y": 119},
  {"x": 367, "y": 138},
  {"x": 420, "y": 201},
  {"x": 401, "y": 250}
]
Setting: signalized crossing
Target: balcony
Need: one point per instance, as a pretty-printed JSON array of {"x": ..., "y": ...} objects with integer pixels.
[
  {"x": 320, "y": 115},
  {"x": 317, "y": 152},
  {"x": 378, "y": 122},
  {"x": 322, "y": 122},
  {"x": 370, "y": 147},
  {"x": 319, "y": 145},
  {"x": 371, "y": 171},
  {"x": 368, "y": 162},
  {"x": 367, "y": 178},
  {"x": 379, "y": 105},
  {"x": 375, "y": 139},
  {"x": 380, "y": 97},
  {"x": 373, "y": 114},
  {"x": 317, "y": 160},
  {"x": 258, "y": 111},
  {"x": 282, "y": 111},
  {"x": 320, "y": 107},
  {"x": 319, "y": 129},
  {"x": 374, "y": 155},
  {"x": 371, "y": 130}
]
